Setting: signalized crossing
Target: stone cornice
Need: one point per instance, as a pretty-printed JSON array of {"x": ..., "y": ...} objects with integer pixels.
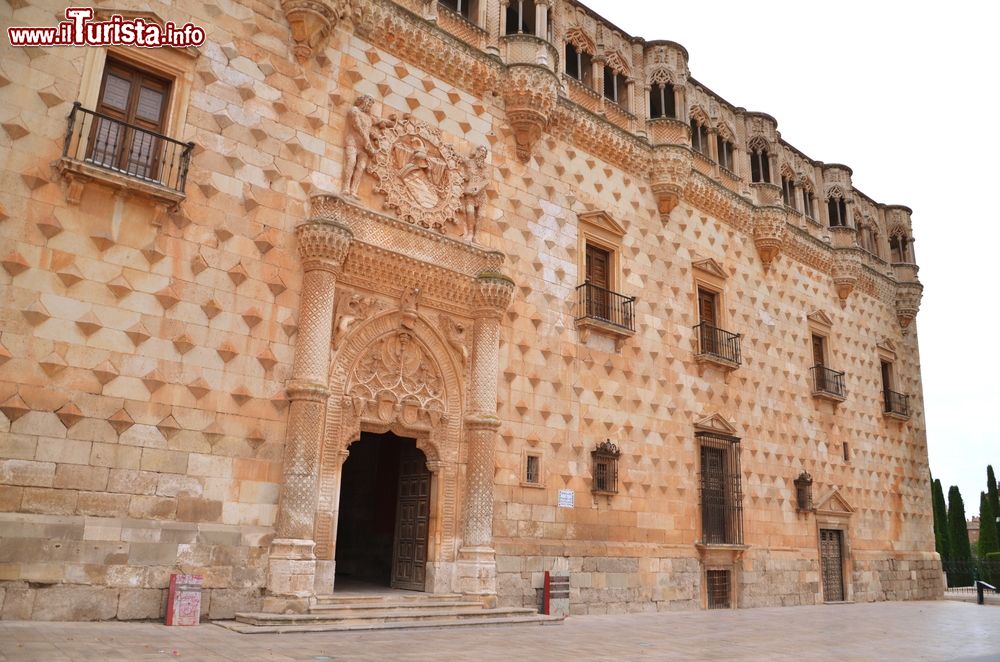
[{"x": 395, "y": 254}]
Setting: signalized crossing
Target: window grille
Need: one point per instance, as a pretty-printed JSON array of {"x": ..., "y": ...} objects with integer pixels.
[
  {"x": 721, "y": 492},
  {"x": 605, "y": 458},
  {"x": 718, "y": 584}
]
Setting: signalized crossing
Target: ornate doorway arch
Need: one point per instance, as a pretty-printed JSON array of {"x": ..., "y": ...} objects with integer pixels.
[{"x": 395, "y": 373}]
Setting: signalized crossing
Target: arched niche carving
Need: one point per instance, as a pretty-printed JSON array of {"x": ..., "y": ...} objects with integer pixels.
[{"x": 425, "y": 403}]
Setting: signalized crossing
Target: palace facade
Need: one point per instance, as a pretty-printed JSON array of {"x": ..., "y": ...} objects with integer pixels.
[{"x": 442, "y": 296}]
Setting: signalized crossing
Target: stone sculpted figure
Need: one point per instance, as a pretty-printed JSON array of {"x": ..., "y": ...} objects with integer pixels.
[
  {"x": 358, "y": 146},
  {"x": 474, "y": 194}
]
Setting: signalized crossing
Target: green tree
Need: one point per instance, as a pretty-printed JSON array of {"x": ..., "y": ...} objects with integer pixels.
[
  {"x": 958, "y": 535},
  {"x": 989, "y": 542},
  {"x": 940, "y": 522},
  {"x": 991, "y": 491}
]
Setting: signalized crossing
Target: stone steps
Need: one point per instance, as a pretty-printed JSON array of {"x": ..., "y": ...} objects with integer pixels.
[
  {"x": 359, "y": 613},
  {"x": 244, "y": 628}
]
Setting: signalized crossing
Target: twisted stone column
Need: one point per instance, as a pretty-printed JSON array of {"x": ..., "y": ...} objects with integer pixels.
[
  {"x": 477, "y": 561},
  {"x": 323, "y": 246}
]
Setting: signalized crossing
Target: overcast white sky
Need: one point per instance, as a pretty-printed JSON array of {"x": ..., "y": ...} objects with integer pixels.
[{"x": 905, "y": 96}]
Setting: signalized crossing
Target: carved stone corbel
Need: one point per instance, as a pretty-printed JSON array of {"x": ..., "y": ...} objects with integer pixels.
[
  {"x": 668, "y": 176},
  {"x": 769, "y": 232},
  {"x": 530, "y": 93},
  {"x": 311, "y": 22},
  {"x": 908, "y": 297}
]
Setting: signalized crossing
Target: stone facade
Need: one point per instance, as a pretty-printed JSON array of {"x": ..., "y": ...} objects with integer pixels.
[{"x": 383, "y": 229}]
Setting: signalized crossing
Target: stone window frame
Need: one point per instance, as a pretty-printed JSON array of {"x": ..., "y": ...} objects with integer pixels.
[
  {"x": 600, "y": 229},
  {"x": 176, "y": 65},
  {"x": 708, "y": 274},
  {"x": 540, "y": 483}
]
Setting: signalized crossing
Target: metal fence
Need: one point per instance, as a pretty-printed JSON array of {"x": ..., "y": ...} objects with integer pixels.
[
  {"x": 602, "y": 304},
  {"x": 966, "y": 573},
  {"x": 718, "y": 342}
]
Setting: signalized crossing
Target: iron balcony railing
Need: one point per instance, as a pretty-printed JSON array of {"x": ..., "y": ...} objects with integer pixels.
[
  {"x": 828, "y": 381},
  {"x": 598, "y": 303},
  {"x": 110, "y": 144},
  {"x": 719, "y": 343},
  {"x": 897, "y": 403}
]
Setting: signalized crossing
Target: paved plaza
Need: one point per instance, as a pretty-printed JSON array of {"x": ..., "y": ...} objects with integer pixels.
[{"x": 882, "y": 631}]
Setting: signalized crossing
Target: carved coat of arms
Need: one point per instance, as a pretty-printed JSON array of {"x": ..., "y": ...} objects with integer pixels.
[{"x": 420, "y": 176}]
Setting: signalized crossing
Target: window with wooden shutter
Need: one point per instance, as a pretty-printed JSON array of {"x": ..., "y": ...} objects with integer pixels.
[
  {"x": 133, "y": 103},
  {"x": 599, "y": 277}
]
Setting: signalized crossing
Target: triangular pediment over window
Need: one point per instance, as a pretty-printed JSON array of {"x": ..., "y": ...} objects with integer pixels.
[
  {"x": 716, "y": 424},
  {"x": 602, "y": 221},
  {"x": 834, "y": 503},
  {"x": 820, "y": 318},
  {"x": 710, "y": 266}
]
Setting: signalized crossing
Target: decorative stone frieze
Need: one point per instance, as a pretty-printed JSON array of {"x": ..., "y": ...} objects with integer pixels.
[{"x": 769, "y": 225}]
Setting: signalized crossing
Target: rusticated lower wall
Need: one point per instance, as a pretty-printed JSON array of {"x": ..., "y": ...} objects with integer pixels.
[{"x": 99, "y": 568}]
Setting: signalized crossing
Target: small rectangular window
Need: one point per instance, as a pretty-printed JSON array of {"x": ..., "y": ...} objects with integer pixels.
[
  {"x": 532, "y": 469},
  {"x": 847, "y": 452}
]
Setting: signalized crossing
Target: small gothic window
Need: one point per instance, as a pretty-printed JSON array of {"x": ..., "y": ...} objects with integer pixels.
[
  {"x": 725, "y": 149},
  {"x": 521, "y": 17},
  {"x": 661, "y": 101},
  {"x": 788, "y": 191},
  {"x": 615, "y": 86},
  {"x": 463, "y": 7},
  {"x": 837, "y": 209},
  {"x": 807, "y": 202},
  {"x": 605, "y": 458},
  {"x": 899, "y": 248},
  {"x": 760, "y": 166},
  {"x": 803, "y": 491},
  {"x": 579, "y": 64},
  {"x": 699, "y": 137}
]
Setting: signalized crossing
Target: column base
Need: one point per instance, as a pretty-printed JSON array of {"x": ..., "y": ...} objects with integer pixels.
[
  {"x": 291, "y": 576},
  {"x": 476, "y": 574}
]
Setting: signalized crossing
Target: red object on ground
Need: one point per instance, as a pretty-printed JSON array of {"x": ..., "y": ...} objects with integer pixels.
[{"x": 184, "y": 600}]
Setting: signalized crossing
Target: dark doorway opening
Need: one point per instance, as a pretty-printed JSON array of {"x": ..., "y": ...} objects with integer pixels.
[{"x": 384, "y": 513}]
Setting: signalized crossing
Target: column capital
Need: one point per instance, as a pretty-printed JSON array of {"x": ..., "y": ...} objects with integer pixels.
[
  {"x": 323, "y": 244},
  {"x": 493, "y": 294}
]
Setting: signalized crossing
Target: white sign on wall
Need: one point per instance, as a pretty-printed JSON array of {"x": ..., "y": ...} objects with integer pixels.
[{"x": 567, "y": 499}]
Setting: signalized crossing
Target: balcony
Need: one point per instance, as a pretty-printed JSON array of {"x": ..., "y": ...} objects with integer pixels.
[
  {"x": 718, "y": 346},
  {"x": 529, "y": 49},
  {"x": 124, "y": 156},
  {"x": 897, "y": 405},
  {"x": 828, "y": 384},
  {"x": 602, "y": 310}
]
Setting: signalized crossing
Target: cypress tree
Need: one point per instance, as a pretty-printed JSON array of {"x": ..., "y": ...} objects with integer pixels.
[
  {"x": 940, "y": 523},
  {"x": 958, "y": 534},
  {"x": 991, "y": 491},
  {"x": 989, "y": 542}
]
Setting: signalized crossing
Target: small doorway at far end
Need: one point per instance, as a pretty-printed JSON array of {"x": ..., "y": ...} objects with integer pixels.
[{"x": 384, "y": 514}]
